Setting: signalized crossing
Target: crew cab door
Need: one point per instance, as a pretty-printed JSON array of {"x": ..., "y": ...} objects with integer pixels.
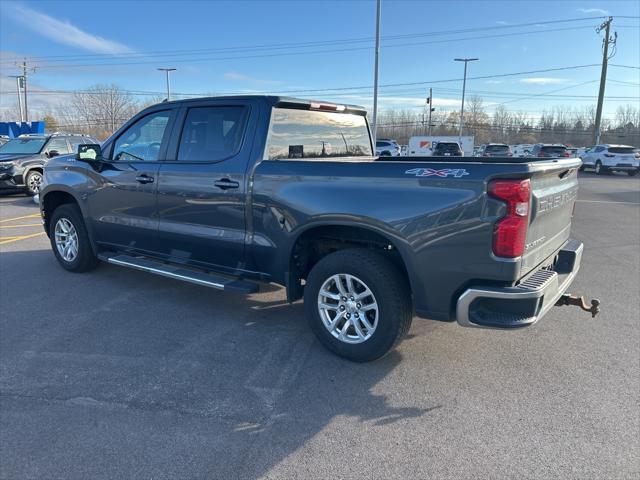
[
  {"x": 202, "y": 186},
  {"x": 123, "y": 209}
]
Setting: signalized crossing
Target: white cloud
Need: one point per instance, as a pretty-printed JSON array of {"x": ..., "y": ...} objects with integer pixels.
[
  {"x": 493, "y": 82},
  {"x": 502, "y": 22},
  {"x": 599, "y": 11},
  {"x": 62, "y": 31},
  {"x": 543, "y": 80},
  {"x": 241, "y": 77}
]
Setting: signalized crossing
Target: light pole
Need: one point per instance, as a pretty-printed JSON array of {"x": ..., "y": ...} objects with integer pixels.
[
  {"x": 375, "y": 77},
  {"x": 167, "y": 70},
  {"x": 464, "y": 86},
  {"x": 18, "y": 81}
]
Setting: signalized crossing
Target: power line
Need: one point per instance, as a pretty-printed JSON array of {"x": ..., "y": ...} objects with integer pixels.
[{"x": 157, "y": 53}]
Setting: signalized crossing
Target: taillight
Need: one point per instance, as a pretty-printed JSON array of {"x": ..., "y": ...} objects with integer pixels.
[
  {"x": 510, "y": 231},
  {"x": 567, "y": 154},
  {"x": 608, "y": 155}
]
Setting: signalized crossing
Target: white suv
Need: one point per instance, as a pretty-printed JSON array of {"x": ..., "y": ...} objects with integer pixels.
[
  {"x": 387, "y": 148},
  {"x": 612, "y": 158}
]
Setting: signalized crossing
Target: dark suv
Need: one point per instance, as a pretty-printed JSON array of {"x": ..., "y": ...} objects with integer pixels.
[
  {"x": 549, "y": 150},
  {"x": 22, "y": 158},
  {"x": 447, "y": 149},
  {"x": 494, "y": 150}
]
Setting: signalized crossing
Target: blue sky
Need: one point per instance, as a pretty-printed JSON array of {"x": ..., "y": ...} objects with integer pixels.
[{"x": 283, "y": 53}]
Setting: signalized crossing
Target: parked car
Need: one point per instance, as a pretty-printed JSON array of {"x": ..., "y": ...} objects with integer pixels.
[
  {"x": 522, "y": 150},
  {"x": 387, "y": 148},
  {"x": 22, "y": 159},
  {"x": 612, "y": 158},
  {"x": 573, "y": 152},
  {"x": 231, "y": 191},
  {"x": 494, "y": 150},
  {"x": 549, "y": 150},
  {"x": 447, "y": 149}
]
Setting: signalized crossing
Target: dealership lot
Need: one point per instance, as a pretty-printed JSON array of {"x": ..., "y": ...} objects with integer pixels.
[{"x": 117, "y": 373}]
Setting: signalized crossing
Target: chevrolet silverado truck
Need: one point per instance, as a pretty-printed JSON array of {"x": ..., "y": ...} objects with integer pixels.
[{"x": 231, "y": 192}]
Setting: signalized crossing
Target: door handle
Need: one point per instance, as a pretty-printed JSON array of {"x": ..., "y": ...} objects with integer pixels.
[
  {"x": 225, "y": 183},
  {"x": 144, "y": 179}
]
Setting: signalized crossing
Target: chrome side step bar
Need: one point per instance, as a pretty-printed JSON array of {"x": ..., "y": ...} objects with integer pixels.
[{"x": 178, "y": 272}]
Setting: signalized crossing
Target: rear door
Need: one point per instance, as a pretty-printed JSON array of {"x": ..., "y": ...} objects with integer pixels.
[
  {"x": 124, "y": 209},
  {"x": 202, "y": 187}
]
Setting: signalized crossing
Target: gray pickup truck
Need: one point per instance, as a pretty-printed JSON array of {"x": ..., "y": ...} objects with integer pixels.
[{"x": 230, "y": 192}]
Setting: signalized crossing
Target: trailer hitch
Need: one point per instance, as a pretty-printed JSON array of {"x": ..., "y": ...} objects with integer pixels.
[{"x": 568, "y": 299}]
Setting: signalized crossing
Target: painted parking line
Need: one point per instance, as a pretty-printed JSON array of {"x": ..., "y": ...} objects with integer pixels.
[
  {"x": 23, "y": 225},
  {"x": 5, "y": 240},
  {"x": 34, "y": 215}
]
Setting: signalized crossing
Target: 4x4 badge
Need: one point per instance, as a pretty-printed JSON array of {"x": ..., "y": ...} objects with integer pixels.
[{"x": 431, "y": 172}]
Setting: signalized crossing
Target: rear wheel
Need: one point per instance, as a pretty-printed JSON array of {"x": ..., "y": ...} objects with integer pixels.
[
  {"x": 632, "y": 173},
  {"x": 358, "y": 304},
  {"x": 69, "y": 239},
  {"x": 32, "y": 182}
]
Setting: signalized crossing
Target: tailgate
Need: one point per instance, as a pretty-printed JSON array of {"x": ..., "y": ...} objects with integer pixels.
[{"x": 553, "y": 195}]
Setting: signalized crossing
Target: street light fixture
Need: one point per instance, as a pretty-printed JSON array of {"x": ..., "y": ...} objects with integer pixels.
[
  {"x": 464, "y": 85},
  {"x": 167, "y": 70}
]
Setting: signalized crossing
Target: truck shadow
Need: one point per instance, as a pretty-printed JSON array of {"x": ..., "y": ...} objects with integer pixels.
[{"x": 238, "y": 382}]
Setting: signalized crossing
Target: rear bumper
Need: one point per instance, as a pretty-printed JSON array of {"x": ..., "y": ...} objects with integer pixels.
[
  {"x": 621, "y": 168},
  {"x": 524, "y": 304}
]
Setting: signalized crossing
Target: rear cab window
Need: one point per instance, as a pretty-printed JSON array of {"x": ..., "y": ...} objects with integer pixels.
[
  {"x": 497, "y": 149},
  {"x": 297, "y": 133}
]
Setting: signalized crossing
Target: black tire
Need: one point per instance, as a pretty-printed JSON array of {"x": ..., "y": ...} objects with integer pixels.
[
  {"x": 32, "y": 182},
  {"x": 390, "y": 289},
  {"x": 598, "y": 168},
  {"x": 85, "y": 259},
  {"x": 632, "y": 173},
  {"x": 581, "y": 169}
]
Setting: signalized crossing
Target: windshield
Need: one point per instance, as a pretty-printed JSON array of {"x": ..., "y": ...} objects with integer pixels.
[
  {"x": 621, "y": 150},
  {"x": 313, "y": 134},
  {"x": 23, "y": 146}
]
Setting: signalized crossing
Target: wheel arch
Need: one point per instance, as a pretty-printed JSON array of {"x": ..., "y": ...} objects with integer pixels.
[
  {"x": 322, "y": 238},
  {"x": 52, "y": 198}
]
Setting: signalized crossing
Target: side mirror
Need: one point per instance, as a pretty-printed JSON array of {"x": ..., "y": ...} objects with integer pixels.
[
  {"x": 53, "y": 153},
  {"x": 89, "y": 152}
]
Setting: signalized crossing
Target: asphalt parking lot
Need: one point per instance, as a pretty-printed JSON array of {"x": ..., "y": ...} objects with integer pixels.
[{"x": 120, "y": 374}]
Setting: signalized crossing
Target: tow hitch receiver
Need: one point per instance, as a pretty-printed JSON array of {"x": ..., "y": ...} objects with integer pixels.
[{"x": 568, "y": 299}]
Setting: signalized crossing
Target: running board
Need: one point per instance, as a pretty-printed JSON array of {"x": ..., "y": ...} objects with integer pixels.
[{"x": 177, "y": 272}]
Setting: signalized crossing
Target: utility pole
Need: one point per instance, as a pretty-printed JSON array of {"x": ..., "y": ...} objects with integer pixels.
[
  {"x": 167, "y": 70},
  {"x": 19, "y": 80},
  {"x": 24, "y": 86},
  {"x": 431, "y": 109},
  {"x": 464, "y": 86},
  {"x": 375, "y": 76},
  {"x": 608, "y": 40}
]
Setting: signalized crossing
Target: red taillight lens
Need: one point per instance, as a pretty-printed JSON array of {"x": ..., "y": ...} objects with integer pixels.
[
  {"x": 510, "y": 232},
  {"x": 567, "y": 154}
]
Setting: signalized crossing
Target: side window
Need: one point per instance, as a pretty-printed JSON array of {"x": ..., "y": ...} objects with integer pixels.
[
  {"x": 59, "y": 145},
  {"x": 75, "y": 141},
  {"x": 142, "y": 140},
  {"x": 211, "y": 134},
  {"x": 599, "y": 149}
]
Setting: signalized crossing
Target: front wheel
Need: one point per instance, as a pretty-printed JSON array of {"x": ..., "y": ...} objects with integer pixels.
[
  {"x": 358, "y": 304},
  {"x": 599, "y": 170},
  {"x": 32, "y": 182},
  {"x": 69, "y": 239}
]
